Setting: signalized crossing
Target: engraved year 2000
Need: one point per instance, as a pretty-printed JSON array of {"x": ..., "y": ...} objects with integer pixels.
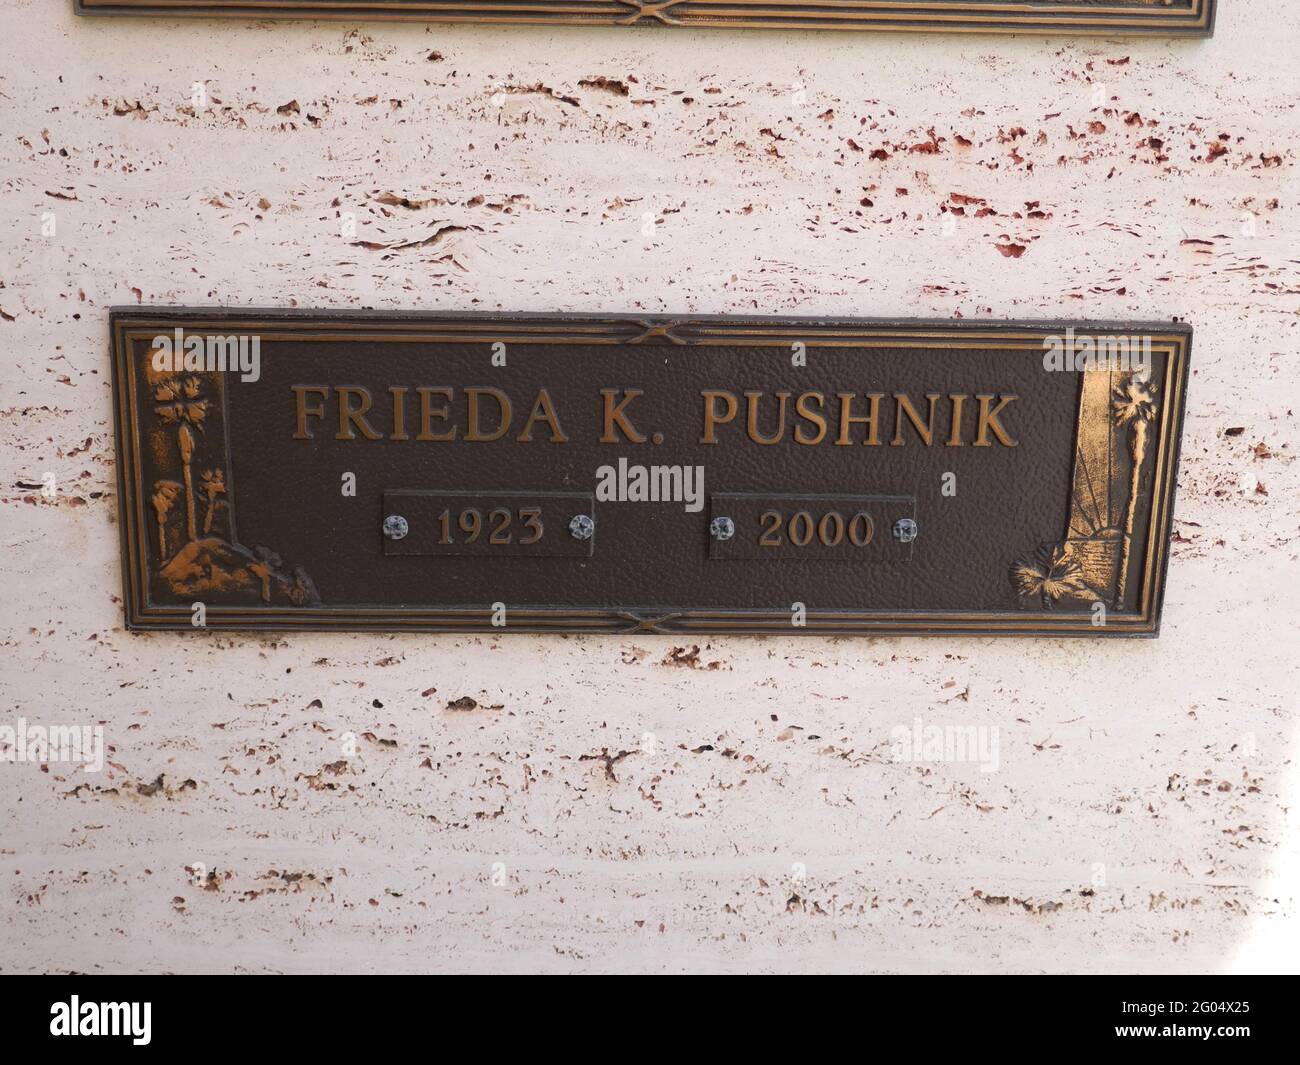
[{"x": 829, "y": 529}]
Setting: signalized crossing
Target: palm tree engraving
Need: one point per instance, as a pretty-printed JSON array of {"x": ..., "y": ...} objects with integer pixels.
[
  {"x": 202, "y": 559},
  {"x": 1134, "y": 409},
  {"x": 213, "y": 484},
  {"x": 182, "y": 404},
  {"x": 164, "y": 496}
]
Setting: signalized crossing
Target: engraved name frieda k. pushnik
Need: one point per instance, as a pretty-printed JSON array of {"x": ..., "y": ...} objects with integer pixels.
[{"x": 484, "y": 414}]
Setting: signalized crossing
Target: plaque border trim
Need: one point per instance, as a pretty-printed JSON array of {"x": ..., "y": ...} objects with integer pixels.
[
  {"x": 128, "y": 324},
  {"x": 926, "y": 16}
]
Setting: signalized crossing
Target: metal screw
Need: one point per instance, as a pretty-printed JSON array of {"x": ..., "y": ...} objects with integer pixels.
[
  {"x": 905, "y": 530},
  {"x": 722, "y": 528},
  {"x": 396, "y": 526},
  {"x": 582, "y": 527}
]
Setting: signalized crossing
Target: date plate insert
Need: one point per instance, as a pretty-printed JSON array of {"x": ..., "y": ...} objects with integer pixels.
[
  {"x": 491, "y": 524},
  {"x": 813, "y": 528}
]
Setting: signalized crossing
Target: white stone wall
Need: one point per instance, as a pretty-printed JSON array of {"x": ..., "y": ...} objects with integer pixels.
[{"x": 1142, "y": 815}]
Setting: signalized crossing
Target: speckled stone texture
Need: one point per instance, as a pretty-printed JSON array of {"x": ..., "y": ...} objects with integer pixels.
[{"x": 372, "y": 803}]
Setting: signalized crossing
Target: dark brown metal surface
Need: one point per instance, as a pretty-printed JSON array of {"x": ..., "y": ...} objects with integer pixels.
[
  {"x": 1041, "y": 490},
  {"x": 1193, "y": 18}
]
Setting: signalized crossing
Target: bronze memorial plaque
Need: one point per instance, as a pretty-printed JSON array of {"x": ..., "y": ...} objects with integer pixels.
[
  {"x": 1188, "y": 18},
  {"x": 303, "y": 470}
]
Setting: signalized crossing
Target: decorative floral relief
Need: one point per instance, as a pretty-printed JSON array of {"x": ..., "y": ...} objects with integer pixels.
[
  {"x": 1092, "y": 564},
  {"x": 198, "y": 555},
  {"x": 1051, "y": 575}
]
